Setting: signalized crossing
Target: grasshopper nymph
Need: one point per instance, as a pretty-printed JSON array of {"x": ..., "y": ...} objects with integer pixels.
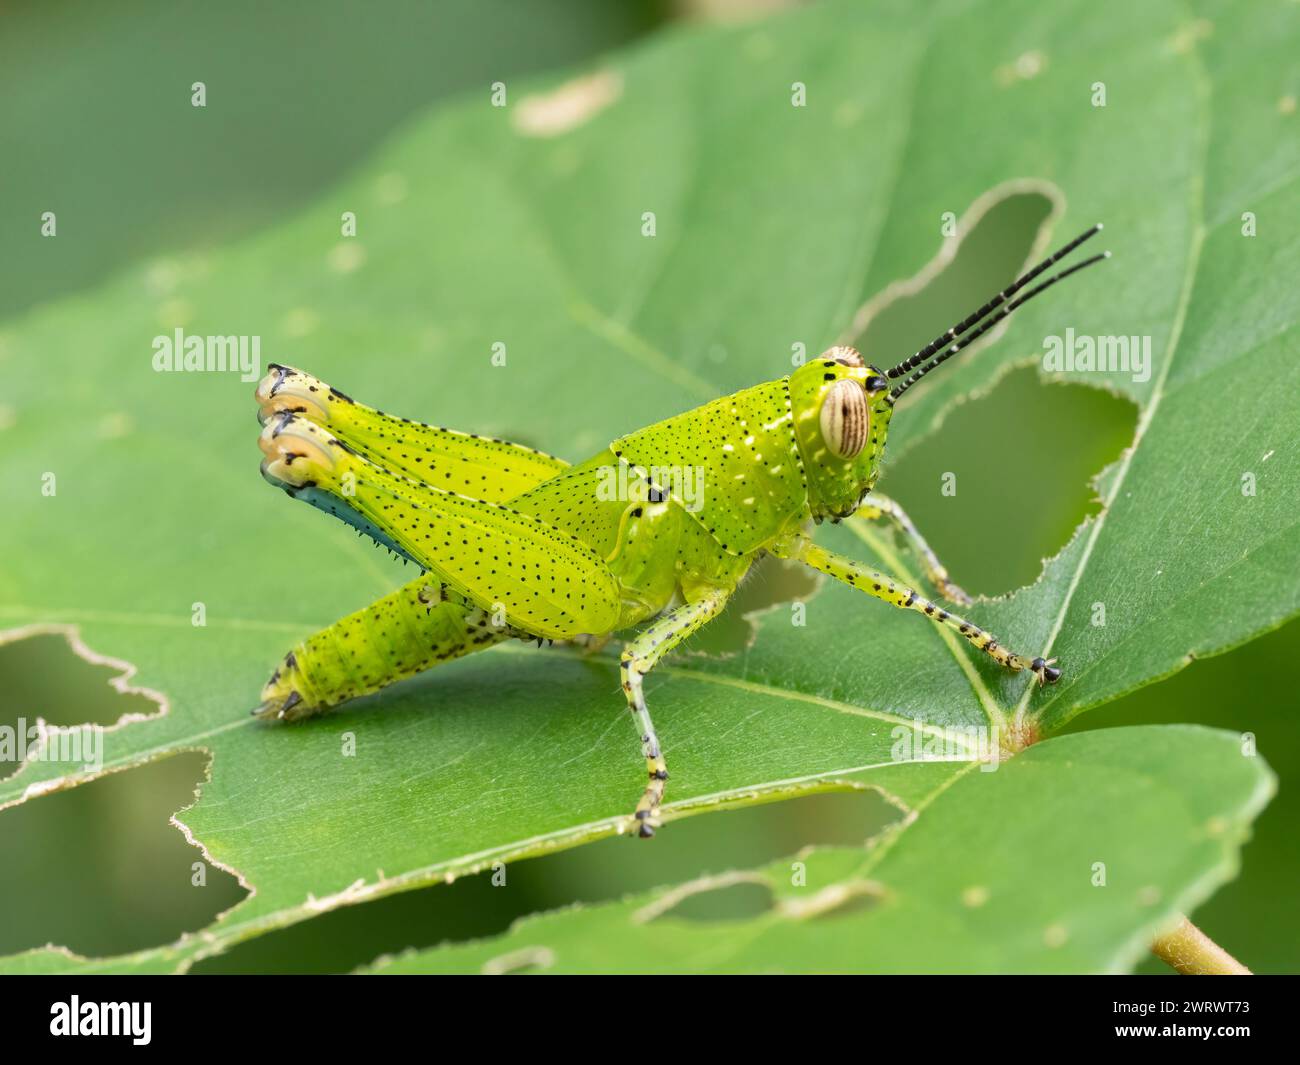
[{"x": 515, "y": 544}]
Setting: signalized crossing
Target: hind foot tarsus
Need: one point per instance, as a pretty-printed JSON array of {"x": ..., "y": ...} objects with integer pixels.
[{"x": 288, "y": 696}]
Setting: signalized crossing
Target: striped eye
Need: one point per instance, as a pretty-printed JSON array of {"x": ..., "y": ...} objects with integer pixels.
[{"x": 845, "y": 418}]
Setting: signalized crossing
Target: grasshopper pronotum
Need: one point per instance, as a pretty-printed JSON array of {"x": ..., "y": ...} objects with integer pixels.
[{"x": 514, "y": 543}]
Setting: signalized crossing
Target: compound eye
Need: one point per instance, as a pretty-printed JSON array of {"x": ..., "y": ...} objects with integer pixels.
[{"x": 845, "y": 418}]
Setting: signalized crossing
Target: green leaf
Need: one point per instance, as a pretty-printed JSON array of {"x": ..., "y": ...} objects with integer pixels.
[
  {"x": 1069, "y": 858},
  {"x": 774, "y": 224}
]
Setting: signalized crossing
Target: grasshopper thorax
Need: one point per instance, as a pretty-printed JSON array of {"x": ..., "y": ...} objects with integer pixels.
[{"x": 841, "y": 412}]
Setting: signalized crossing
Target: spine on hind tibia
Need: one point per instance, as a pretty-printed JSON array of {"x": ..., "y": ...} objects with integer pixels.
[{"x": 404, "y": 633}]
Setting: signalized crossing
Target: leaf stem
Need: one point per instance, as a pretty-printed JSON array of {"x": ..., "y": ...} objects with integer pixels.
[{"x": 1189, "y": 951}]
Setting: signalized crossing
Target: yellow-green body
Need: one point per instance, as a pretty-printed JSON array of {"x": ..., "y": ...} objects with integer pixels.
[
  {"x": 514, "y": 543},
  {"x": 659, "y": 527}
]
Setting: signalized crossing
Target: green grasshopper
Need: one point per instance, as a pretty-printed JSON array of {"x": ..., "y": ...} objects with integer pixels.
[{"x": 513, "y": 543}]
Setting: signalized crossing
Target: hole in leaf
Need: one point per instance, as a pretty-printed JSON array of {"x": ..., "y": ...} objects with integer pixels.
[
  {"x": 42, "y": 677},
  {"x": 726, "y": 899},
  {"x": 1006, "y": 480},
  {"x": 771, "y": 582},
  {"x": 99, "y": 869},
  {"x": 994, "y": 250},
  {"x": 472, "y": 907}
]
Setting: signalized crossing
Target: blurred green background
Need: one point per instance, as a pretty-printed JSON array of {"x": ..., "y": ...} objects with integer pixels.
[
  {"x": 297, "y": 93},
  {"x": 294, "y": 101}
]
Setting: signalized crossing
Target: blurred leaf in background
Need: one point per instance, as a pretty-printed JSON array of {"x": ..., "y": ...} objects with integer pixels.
[{"x": 98, "y": 125}]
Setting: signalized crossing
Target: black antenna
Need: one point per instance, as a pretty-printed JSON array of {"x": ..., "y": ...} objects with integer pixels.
[
  {"x": 913, "y": 361},
  {"x": 965, "y": 341}
]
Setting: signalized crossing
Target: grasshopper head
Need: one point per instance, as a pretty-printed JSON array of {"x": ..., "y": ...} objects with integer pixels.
[
  {"x": 841, "y": 417},
  {"x": 842, "y": 407}
]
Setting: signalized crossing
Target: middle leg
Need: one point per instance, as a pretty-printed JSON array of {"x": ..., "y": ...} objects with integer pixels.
[{"x": 639, "y": 657}]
